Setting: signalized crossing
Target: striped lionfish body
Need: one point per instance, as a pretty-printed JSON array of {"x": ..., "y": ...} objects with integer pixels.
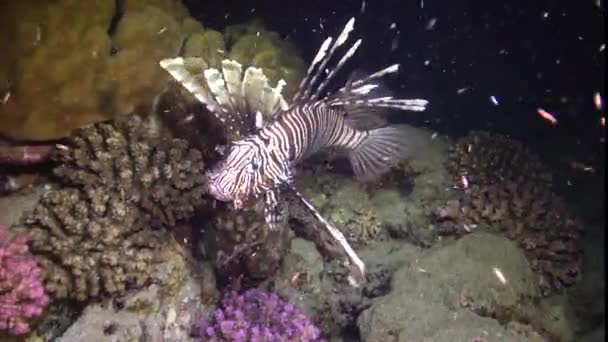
[{"x": 262, "y": 157}]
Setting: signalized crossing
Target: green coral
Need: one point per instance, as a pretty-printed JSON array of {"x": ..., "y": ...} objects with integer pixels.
[{"x": 70, "y": 63}]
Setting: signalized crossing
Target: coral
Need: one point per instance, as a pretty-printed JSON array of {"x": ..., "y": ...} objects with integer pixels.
[
  {"x": 250, "y": 44},
  {"x": 344, "y": 202},
  {"x": 256, "y": 315},
  {"x": 64, "y": 71},
  {"x": 510, "y": 190},
  {"x": 93, "y": 235},
  {"x": 240, "y": 244},
  {"x": 22, "y": 295}
]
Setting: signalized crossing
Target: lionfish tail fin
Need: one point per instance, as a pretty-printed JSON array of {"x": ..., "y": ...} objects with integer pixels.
[
  {"x": 234, "y": 96},
  {"x": 382, "y": 149}
]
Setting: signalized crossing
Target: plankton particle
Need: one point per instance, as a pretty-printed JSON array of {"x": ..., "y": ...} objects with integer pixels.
[
  {"x": 597, "y": 101},
  {"x": 499, "y": 275}
]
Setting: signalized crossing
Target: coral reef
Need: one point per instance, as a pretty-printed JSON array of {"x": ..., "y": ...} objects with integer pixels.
[
  {"x": 17, "y": 163},
  {"x": 396, "y": 205},
  {"x": 151, "y": 313},
  {"x": 22, "y": 295},
  {"x": 250, "y": 44},
  {"x": 63, "y": 71},
  {"x": 507, "y": 188},
  {"x": 94, "y": 235},
  {"x": 451, "y": 292},
  {"x": 256, "y": 315},
  {"x": 240, "y": 245},
  {"x": 324, "y": 291}
]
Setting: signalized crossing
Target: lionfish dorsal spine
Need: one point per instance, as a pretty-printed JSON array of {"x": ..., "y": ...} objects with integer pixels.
[
  {"x": 304, "y": 84},
  {"x": 234, "y": 96},
  {"x": 326, "y": 58},
  {"x": 217, "y": 87},
  {"x": 320, "y": 61},
  {"x": 337, "y": 68},
  {"x": 233, "y": 73},
  {"x": 192, "y": 81}
]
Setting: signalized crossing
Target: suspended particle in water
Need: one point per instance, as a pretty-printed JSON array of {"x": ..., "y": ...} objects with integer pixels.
[
  {"x": 547, "y": 116},
  {"x": 431, "y": 24},
  {"x": 597, "y": 101}
]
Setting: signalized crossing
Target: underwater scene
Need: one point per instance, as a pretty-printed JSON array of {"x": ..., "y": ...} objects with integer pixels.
[{"x": 374, "y": 171}]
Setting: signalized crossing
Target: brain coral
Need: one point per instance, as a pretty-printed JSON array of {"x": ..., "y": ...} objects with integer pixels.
[{"x": 94, "y": 235}]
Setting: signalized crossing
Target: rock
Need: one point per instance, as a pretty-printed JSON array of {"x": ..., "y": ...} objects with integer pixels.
[
  {"x": 152, "y": 314},
  {"x": 439, "y": 296}
]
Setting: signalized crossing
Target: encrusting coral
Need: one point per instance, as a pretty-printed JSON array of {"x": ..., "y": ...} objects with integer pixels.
[
  {"x": 506, "y": 187},
  {"x": 60, "y": 71},
  {"x": 94, "y": 235},
  {"x": 22, "y": 295}
]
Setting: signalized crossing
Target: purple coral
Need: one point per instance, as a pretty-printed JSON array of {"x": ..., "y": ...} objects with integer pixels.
[
  {"x": 22, "y": 294},
  {"x": 257, "y": 316}
]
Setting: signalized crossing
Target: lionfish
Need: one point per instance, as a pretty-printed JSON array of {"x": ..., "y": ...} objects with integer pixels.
[{"x": 271, "y": 136}]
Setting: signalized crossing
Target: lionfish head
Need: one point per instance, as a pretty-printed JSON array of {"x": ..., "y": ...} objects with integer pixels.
[{"x": 238, "y": 177}]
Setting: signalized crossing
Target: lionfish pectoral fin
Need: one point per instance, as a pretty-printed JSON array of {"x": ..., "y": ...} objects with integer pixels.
[
  {"x": 357, "y": 265},
  {"x": 382, "y": 149},
  {"x": 275, "y": 212}
]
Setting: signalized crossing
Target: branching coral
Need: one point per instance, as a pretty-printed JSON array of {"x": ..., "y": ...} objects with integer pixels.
[
  {"x": 22, "y": 295},
  {"x": 509, "y": 189},
  {"x": 256, "y": 315},
  {"x": 93, "y": 236}
]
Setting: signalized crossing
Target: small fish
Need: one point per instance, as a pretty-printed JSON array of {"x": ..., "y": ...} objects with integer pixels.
[
  {"x": 547, "y": 116},
  {"x": 262, "y": 161},
  {"x": 597, "y": 101},
  {"x": 603, "y": 121},
  {"x": 494, "y": 100}
]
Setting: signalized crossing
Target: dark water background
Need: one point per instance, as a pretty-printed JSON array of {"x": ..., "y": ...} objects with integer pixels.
[{"x": 528, "y": 54}]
